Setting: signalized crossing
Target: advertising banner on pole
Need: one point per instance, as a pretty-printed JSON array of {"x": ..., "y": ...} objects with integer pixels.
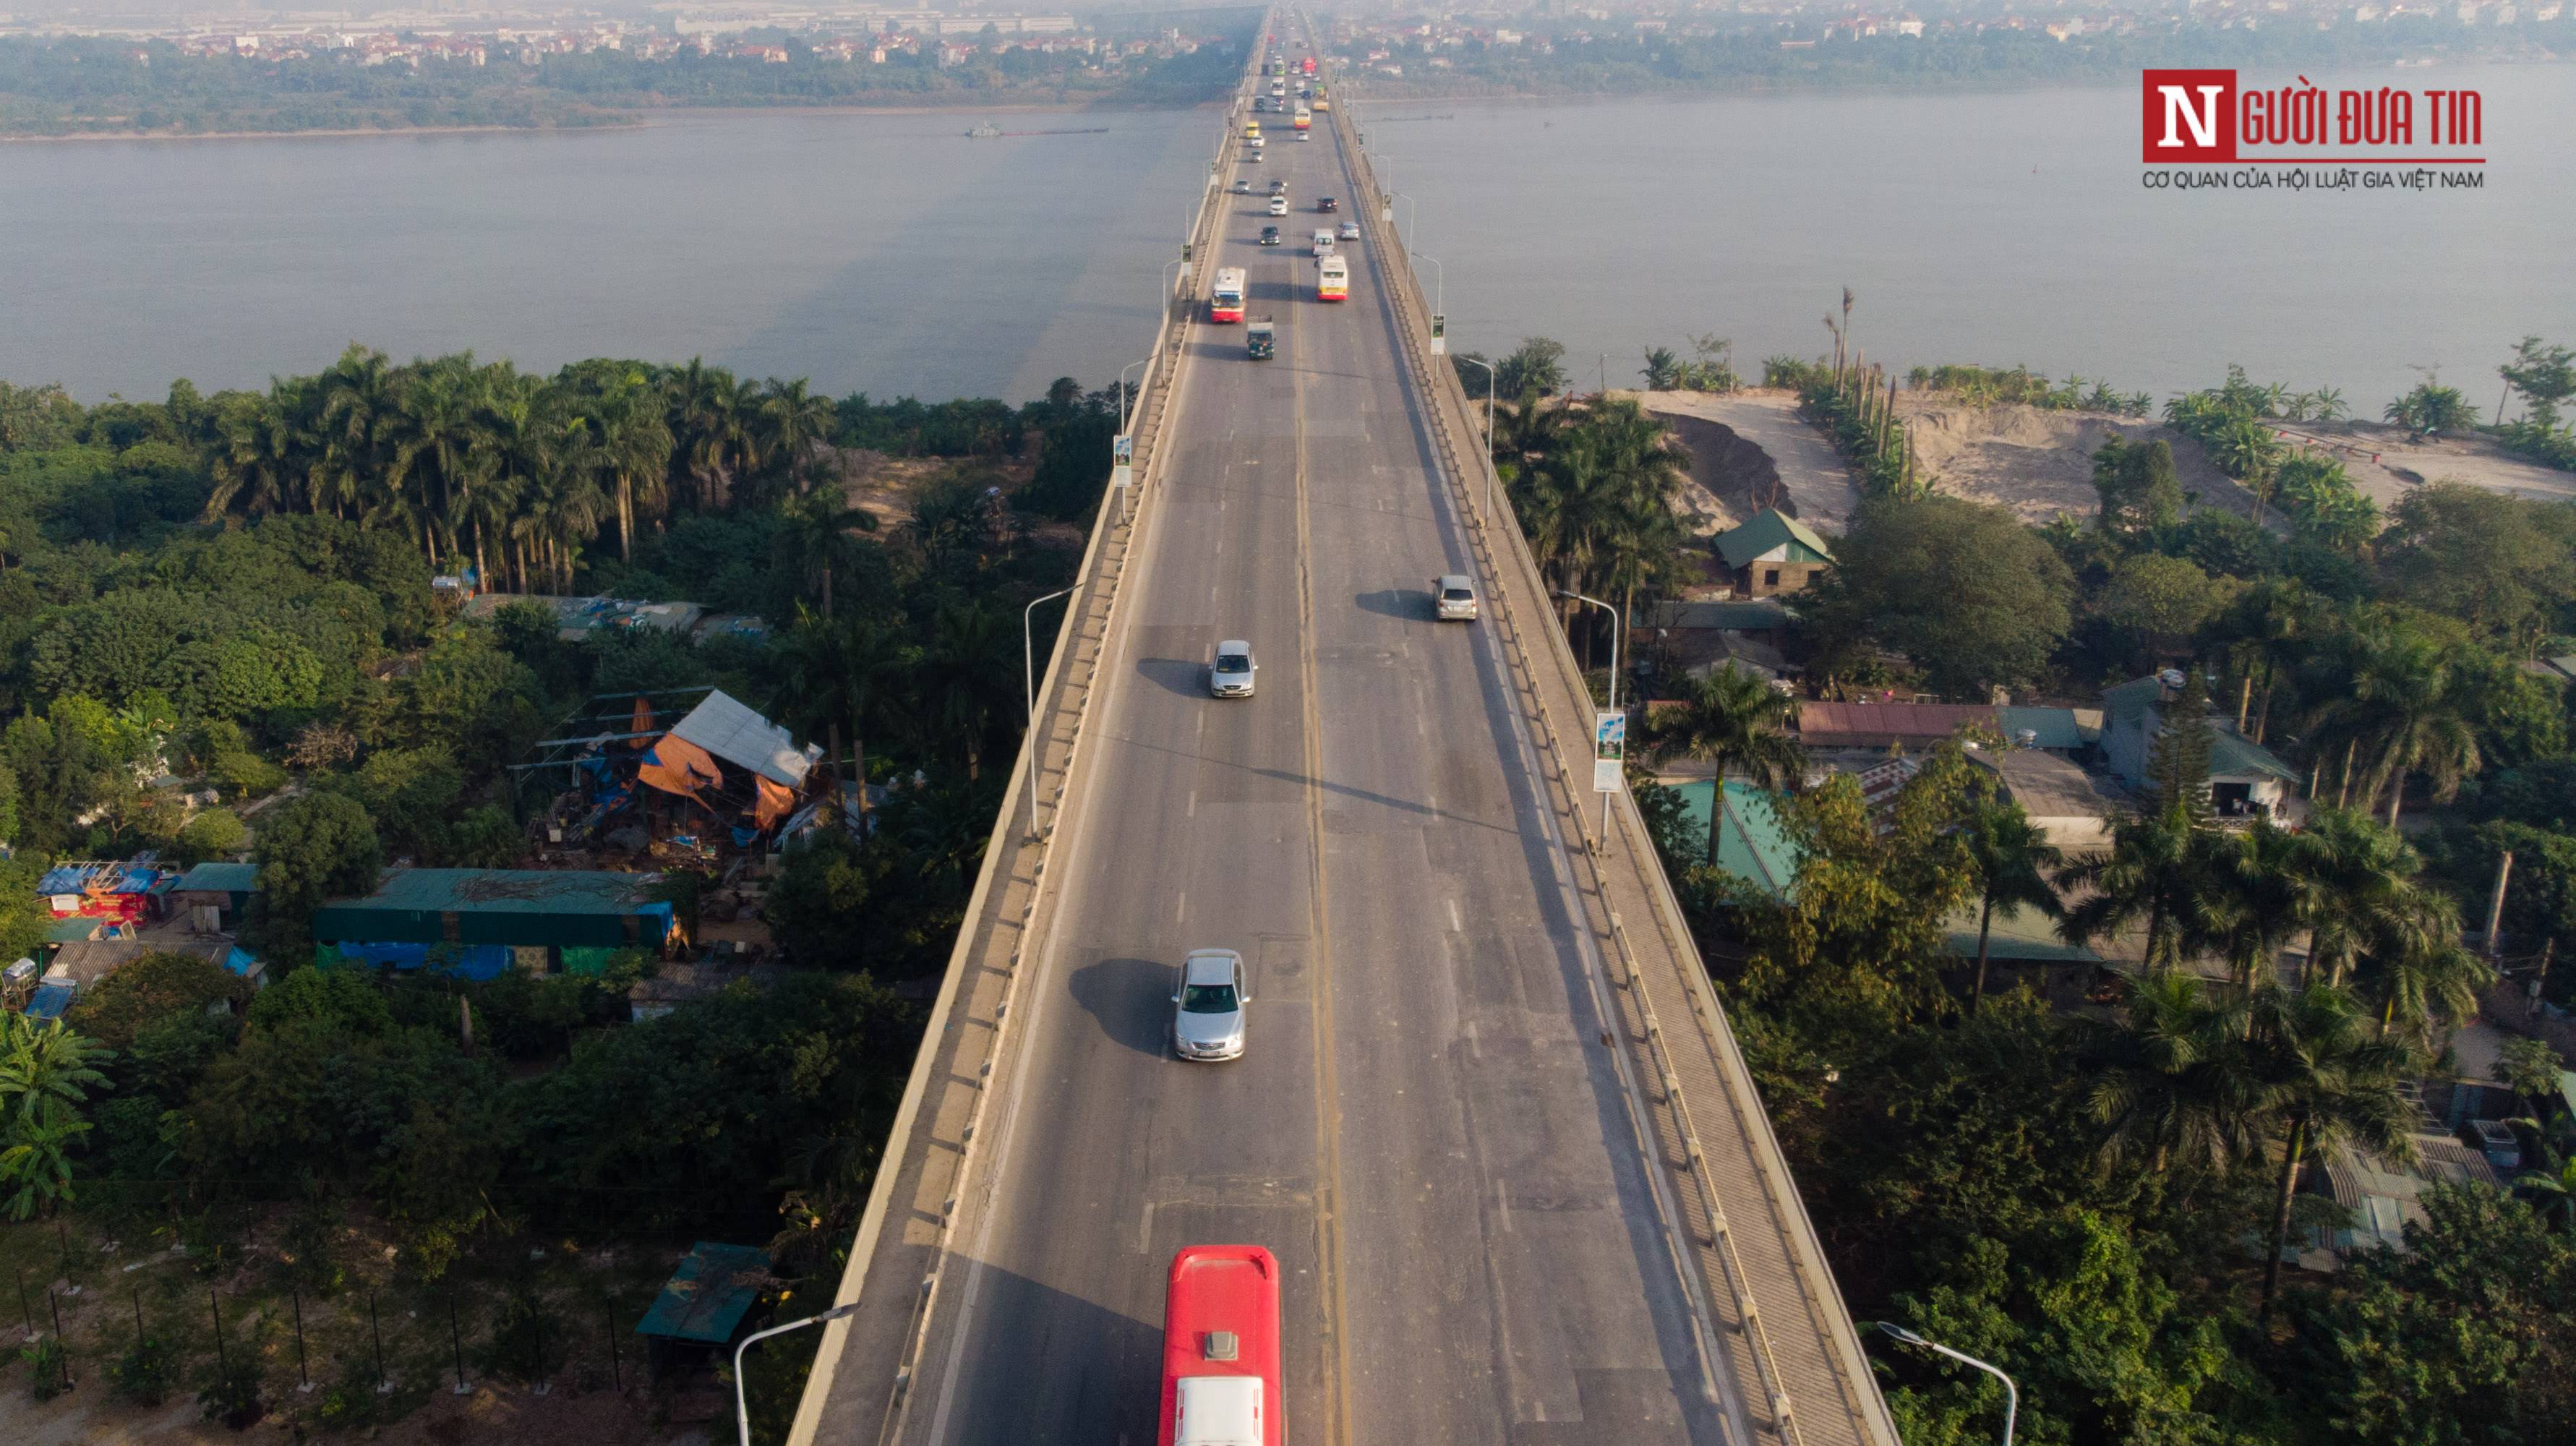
[
  {"x": 1124, "y": 452},
  {"x": 1609, "y": 750}
]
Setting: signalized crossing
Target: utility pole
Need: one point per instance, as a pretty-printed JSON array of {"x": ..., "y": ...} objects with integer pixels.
[{"x": 2495, "y": 908}]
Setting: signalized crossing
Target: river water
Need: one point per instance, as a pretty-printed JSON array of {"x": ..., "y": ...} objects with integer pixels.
[{"x": 889, "y": 253}]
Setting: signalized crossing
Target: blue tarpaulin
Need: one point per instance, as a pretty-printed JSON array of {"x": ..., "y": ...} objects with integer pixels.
[
  {"x": 241, "y": 961},
  {"x": 467, "y": 961},
  {"x": 53, "y": 996}
]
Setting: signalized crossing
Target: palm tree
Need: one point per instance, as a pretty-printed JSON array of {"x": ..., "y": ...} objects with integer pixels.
[
  {"x": 1738, "y": 723},
  {"x": 2554, "y": 1182},
  {"x": 966, "y": 676},
  {"x": 628, "y": 436},
  {"x": 262, "y": 459},
  {"x": 2246, "y": 450},
  {"x": 355, "y": 411},
  {"x": 2272, "y": 622},
  {"x": 2401, "y": 704},
  {"x": 2153, "y": 873},
  {"x": 2173, "y": 1081},
  {"x": 2013, "y": 858},
  {"x": 788, "y": 422},
  {"x": 2253, "y": 899},
  {"x": 839, "y": 674},
  {"x": 2358, "y": 881},
  {"x": 2422, "y": 977},
  {"x": 815, "y": 527},
  {"x": 710, "y": 424},
  {"x": 431, "y": 430},
  {"x": 1663, "y": 369},
  {"x": 2329, "y": 1085}
]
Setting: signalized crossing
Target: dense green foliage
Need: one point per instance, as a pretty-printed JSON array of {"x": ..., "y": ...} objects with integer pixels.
[{"x": 72, "y": 85}]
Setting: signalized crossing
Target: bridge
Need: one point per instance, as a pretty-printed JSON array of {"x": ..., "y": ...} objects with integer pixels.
[{"x": 1490, "y": 1117}]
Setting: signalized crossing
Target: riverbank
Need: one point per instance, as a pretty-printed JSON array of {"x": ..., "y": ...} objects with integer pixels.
[{"x": 624, "y": 120}]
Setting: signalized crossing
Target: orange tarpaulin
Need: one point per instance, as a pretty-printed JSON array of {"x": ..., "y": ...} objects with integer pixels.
[
  {"x": 777, "y": 800},
  {"x": 641, "y": 725},
  {"x": 678, "y": 766}
]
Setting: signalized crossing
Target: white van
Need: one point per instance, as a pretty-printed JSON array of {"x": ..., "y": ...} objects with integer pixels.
[{"x": 1323, "y": 243}]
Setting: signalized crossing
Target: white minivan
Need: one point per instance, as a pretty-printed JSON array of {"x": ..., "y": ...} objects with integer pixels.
[{"x": 1323, "y": 243}]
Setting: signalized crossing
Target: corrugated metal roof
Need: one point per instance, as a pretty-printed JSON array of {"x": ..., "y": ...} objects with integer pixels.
[
  {"x": 1750, "y": 842},
  {"x": 1770, "y": 528},
  {"x": 741, "y": 737},
  {"x": 2017, "y": 934},
  {"x": 2234, "y": 756},
  {"x": 519, "y": 907},
  {"x": 2056, "y": 727},
  {"x": 1833, "y": 724},
  {"x": 705, "y": 1298},
  {"x": 220, "y": 878}
]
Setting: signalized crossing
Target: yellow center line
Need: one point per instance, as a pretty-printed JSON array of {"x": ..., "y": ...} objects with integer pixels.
[{"x": 1328, "y": 1112}]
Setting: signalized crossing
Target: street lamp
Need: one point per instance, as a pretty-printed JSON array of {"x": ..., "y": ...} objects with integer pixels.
[
  {"x": 1489, "y": 428},
  {"x": 1168, "y": 288},
  {"x": 1387, "y": 214},
  {"x": 1029, "y": 685},
  {"x": 1439, "y": 283},
  {"x": 742, "y": 1411},
  {"x": 1618, "y": 630},
  {"x": 1122, "y": 389},
  {"x": 2012, "y": 1393}
]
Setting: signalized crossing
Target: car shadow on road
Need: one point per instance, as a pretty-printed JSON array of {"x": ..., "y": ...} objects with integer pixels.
[
  {"x": 1393, "y": 602},
  {"x": 1185, "y": 676},
  {"x": 1130, "y": 999}
]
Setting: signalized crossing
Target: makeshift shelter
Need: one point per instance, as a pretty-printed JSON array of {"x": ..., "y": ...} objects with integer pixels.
[
  {"x": 120, "y": 893},
  {"x": 472, "y": 921},
  {"x": 734, "y": 772},
  {"x": 701, "y": 1307},
  {"x": 212, "y": 895}
]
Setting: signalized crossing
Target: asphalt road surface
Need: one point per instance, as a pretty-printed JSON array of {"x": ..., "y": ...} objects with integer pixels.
[{"x": 1426, "y": 1126}]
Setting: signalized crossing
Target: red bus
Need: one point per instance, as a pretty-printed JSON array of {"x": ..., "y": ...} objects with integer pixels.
[
  {"x": 1225, "y": 299},
  {"x": 1310, "y": 65},
  {"x": 1221, "y": 1348}
]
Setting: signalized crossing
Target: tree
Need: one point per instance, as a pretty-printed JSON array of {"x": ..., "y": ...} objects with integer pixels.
[
  {"x": 2136, "y": 484},
  {"x": 2505, "y": 565},
  {"x": 838, "y": 674},
  {"x": 2431, "y": 408},
  {"x": 1736, "y": 722},
  {"x": 2161, "y": 600},
  {"x": 2152, "y": 874},
  {"x": 2013, "y": 858},
  {"x": 2330, "y": 1085},
  {"x": 2169, "y": 1081},
  {"x": 2530, "y": 1065},
  {"x": 1663, "y": 369},
  {"x": 149, "y": 988},
  {"x": 2545, "y": 375},
  {"x": 312, "y": 848},
  {"x": 1975, "y": 599},
  {"x": 2402, "y": 707},
  {"x": 815, "y": 530},
  {"x": 46, "y": 1072},
  {"x": 1535, "y": 369},
  {"x": 2466, "y": 1336},
  {"x": 2178, "y": 758},
  {"x": 2247, "y": 450}
]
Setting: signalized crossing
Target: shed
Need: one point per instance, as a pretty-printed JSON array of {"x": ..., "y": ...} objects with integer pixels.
[
  {"x": 520, "y": 908},
  {"x": 224, "y": 888},
  {"x": 2071, "y": 807},
  {"x": 704, "y": 1301},
  {"x": 741, "y": 737},
  {"x": 2383, "y": 1196}
]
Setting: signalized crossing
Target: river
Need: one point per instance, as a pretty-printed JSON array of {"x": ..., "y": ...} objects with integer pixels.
[{"x": 891, "y": 254}]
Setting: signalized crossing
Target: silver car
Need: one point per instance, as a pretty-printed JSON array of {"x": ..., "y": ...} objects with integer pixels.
[
  {"x": 1207, "y": 1015},
  {"x": 1453, "y": 598},
  {"x": 1230, "y": 676}
]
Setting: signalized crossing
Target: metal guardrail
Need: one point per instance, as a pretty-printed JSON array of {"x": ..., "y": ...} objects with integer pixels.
[
  {"x": 1439, "y": 379},
  {"x": 1097, "y": 590}
]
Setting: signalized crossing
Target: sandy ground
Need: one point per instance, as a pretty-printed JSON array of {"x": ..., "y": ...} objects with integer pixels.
[
  {"x": 1815, "y": 485},
  {"x": 2386, "y": 466},
  {"x": 2039, "y": 463}
]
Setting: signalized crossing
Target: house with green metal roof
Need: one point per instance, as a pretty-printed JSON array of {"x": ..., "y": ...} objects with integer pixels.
[
  {"x": 1750, "y": 842},
  {"x": 1773, "y": 553},
  {"x": 2245, "y": 778}
]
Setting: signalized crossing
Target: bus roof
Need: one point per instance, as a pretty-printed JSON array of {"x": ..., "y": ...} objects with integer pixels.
[
  {"x": 1229, "y": 278},
  {"x": 1334, "y": 263},
  {"x": 1221, "y": 1319}
]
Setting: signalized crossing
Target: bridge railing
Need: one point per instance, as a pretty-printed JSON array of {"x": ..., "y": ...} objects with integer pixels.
[
  {"x": 952, "y": 1076},
  {"x": 1503, "y": 549}
]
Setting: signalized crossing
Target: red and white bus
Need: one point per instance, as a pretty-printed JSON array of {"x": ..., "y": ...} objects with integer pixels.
[
  {"x": 1307, "y": 65},
  {"x": 1332, "y": 279},
  {"x": 1221, "y": 1348},
  {"x": 1225, "y": 299}
]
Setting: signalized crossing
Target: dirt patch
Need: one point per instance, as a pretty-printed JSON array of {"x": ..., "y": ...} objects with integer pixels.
[
  {"x": 2039, "y": 464},
  {"x": 2386, "y": 466},
  {"x": 886, "y": 485},
  {"x": 1751, "y": 450}
]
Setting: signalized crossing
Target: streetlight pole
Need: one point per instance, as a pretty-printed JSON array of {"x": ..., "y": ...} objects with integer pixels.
[
  {"x": 1489, "y": 428},
  {"x": 1410, "y": 216},
  {"x": 1029, "y": 685},
  {"x": 1618, "y": 629},
  {"x": 2012, "y": 1393},
  {"x": 1439, "y": 280},
  {"x": 742, "y": 1410},
  {"x": 1122, "y": 389},
  {"x": 1165, "y": 278}
]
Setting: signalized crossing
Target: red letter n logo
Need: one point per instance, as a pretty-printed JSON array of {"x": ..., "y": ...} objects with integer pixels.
[{"x": 2187, "y": 116}]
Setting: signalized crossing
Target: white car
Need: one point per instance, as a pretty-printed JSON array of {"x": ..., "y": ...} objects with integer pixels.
[
  {"x": 1350, "y": 230},
  {"x": 1208, "y": 1005},
  {"x": 1230, "y": 676},
  {"x": 1278, "y": 205}
]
